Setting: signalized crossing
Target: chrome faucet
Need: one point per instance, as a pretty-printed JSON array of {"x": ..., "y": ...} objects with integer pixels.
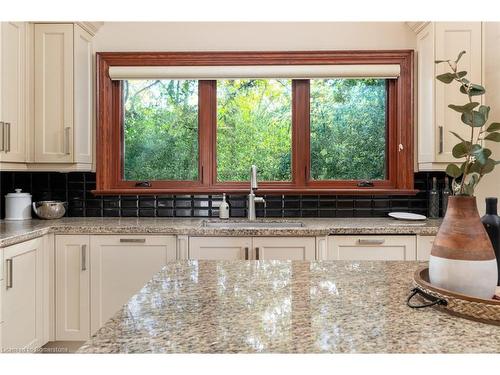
[{"x": 252, "y": 199}]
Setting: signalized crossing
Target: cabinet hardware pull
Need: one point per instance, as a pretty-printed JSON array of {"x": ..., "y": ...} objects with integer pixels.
[
  {"x": 2, "y": 126},
  {"x": 66, "y": 140},
  {"x": 441, "y": 139},
  {"x": 7, "y": 137},
  {"x": 246, "y": 253},
  {"x": 9, "y": 273},
  {"x": 257, "y": 253},
  {"x": 84, "y": 257},
  {"x": 133, "y": 240},
  {"x": 365, "y": 183},
  {"x": 143, "y": 184},
  {"x": 370, "y": 242}
]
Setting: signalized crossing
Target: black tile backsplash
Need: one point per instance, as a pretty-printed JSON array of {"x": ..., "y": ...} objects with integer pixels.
[{"x": 75, "y": 188}]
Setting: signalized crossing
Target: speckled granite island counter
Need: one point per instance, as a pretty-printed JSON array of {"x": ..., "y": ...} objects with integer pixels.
[{"x": 285, "y": 307}]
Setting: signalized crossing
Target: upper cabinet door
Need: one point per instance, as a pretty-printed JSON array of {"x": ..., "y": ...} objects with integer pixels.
[
  {"x": 426, "y": 95},
  {"x": 451, "y": 38},
  {"x": 54, "y": 93},
  {"x": 443, "y": 41},
  {"x": 13, "y": 92},
  {"x": 83, "y": 89}
]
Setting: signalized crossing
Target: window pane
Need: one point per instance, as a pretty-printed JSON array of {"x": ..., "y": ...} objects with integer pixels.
[
  {"x": 254, "y": 126},
  {"x": 160, "y": 130},
  {"x": 348, "y": 129}
]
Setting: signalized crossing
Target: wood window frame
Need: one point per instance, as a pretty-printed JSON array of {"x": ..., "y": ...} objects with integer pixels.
[{"x": 400, "y": 151}]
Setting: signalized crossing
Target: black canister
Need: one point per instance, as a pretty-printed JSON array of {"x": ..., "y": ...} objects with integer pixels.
[{"x": 491, "y": 222}]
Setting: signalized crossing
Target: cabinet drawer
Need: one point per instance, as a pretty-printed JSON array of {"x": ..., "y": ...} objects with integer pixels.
[
  {"x": 284, "y": 248},
  {"x": 220, "y": 248},
  {"x": 368, "y": 247},
  {"x": 424, "y": 247},
  {"x": 133, "y": 240}
]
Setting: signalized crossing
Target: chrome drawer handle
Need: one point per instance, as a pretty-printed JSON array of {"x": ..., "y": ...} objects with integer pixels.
[
  {"x": 133, "y": 240},
  {"x": 370, "y": 242},
  {"x": 9, "y": 282},
  {"x": 84, "y": 257},
  {"x": 7, "y": 137},
  {"x": 441, "y": 136},
  {"x": 66, "y": 140}
]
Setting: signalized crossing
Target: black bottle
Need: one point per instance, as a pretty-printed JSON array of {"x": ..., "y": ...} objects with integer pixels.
[
  {"x": 434, "y": 200},
  {"x": 491, "y": 222}
]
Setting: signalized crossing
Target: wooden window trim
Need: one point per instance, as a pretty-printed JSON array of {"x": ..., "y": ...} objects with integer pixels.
[{"x": 400, "y": 123}]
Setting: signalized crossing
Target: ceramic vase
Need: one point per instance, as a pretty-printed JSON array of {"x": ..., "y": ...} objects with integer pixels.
[{"x": 462, "y": 257}]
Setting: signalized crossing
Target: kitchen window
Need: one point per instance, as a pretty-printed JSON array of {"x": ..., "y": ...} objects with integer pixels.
[
  {"x": 348, "y": 129},
  {"x": 160, "y": 130},
  {"x": 254, "y": 126},
  {"x": 312, "y": 122}
]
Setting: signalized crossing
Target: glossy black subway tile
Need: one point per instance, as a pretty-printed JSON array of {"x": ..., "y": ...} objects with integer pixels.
[{"x": 75, "y": 188}]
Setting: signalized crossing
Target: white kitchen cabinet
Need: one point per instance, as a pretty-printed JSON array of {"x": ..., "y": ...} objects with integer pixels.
[
  {"x": 23, "y": 295},
  {"x": 371, "y": 247},
  {"x": 13, "y": 125},
  {"x": 441, "y": 41},
  {"x": 63, "y": 77},
  {"x": 83, "y": 81},
  {"x": 424, "y": 247},
  {"x": 72, "y": 284},
  {"x": 252, "y": 248},
  {"x": 284, "y": 248},
  {"x": 220, "y": 248},
  {"x": 120, "y": 266},
  {"x": 54, "y": 93}
]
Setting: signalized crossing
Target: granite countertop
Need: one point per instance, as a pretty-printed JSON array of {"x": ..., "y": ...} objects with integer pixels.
[
  {"x": 285, "y": 307},
  {"x": 14, "y": 232}
]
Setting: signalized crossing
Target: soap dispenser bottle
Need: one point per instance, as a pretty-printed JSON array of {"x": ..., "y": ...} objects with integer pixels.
[{"x": 224, "y": 208}]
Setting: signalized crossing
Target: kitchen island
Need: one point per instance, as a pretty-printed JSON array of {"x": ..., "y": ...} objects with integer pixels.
[{"x": 285, "y": 307}]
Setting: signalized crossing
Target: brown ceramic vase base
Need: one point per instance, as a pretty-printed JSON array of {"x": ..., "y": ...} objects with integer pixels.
[{"x": 462, "y": 236}]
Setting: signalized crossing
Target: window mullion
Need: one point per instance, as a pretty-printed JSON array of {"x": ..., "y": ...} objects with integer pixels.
[
  {"x": 207, "y": 105},
  {"x": 300, "y": 133}
]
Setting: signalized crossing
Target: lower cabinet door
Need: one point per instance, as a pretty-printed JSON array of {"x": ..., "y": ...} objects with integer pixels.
[
  {"x": 284, "y": 248},
  {"x": 424, "y": 247},
  {"x": 22, "y": 296},
  {"x": 372, "y": 247},
  {"x": 120, "y": 266},
  {"x": 72, "y": 277},
  {"x": 220, "y": 248}
]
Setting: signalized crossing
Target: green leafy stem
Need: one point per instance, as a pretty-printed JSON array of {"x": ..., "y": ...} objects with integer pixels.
[{"x": 477, "y": 160}]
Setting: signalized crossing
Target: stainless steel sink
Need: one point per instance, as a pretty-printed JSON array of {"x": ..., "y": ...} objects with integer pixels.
[{"x": 251, "y": 224}]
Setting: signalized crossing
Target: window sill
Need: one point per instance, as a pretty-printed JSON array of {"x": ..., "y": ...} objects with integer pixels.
[{"x": 282, "y": 191}]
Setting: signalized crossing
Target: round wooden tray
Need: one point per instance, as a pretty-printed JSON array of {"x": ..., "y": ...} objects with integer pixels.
[{"x": 482, "y": 310}]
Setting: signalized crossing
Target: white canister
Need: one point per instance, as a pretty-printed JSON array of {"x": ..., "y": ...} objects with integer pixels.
[{"x": 18, "y": 206}]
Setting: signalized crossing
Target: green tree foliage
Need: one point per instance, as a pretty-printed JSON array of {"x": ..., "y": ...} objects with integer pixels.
[
  {"x": 161, "y": 130},
  {"x": 348, "y": 127},
  {"x": 254, "y": 123},
  {"x": 348, "y": 131}
]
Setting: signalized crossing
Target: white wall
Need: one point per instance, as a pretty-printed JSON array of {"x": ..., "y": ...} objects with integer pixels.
[
  {"x": 212, "y": 36},
  {"x": 490, "y": 185}
]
